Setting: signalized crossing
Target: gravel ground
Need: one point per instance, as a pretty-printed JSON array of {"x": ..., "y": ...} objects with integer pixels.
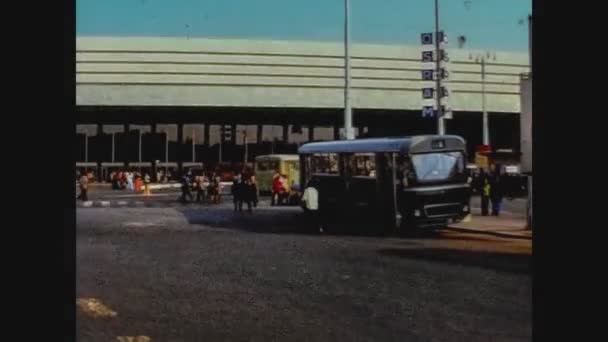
[{"x": 209, "y": 274}]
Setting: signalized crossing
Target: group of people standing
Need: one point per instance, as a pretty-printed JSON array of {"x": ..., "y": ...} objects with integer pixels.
[
  {"x": 245, "y": 190},
  {"x": 208, "y": 189},
  {"x": 491, "y": 187},
  {"x": 123, "y": 180},
  {"x": 129, "y": 180}
]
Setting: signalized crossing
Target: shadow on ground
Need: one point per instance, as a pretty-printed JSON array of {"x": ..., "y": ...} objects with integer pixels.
[
  {"x": 505, "y": 262},
  {"x": 275, "y": 220}
]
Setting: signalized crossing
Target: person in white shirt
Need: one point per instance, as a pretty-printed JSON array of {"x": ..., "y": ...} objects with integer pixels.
[
  {"x": 310, "y": 203},
  {"x": 130, "y": 185}
]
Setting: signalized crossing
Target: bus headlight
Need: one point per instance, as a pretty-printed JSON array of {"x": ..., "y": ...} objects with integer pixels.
[{"x": 416, "y": 213}]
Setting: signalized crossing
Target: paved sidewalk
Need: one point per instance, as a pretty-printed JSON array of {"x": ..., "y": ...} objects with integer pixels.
[{"x": 509, "y": 226}]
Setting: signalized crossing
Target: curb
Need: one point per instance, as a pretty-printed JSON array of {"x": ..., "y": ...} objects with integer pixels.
[
  {"x": 490, "y": 232},
  {"x": 135, "y": 204}
]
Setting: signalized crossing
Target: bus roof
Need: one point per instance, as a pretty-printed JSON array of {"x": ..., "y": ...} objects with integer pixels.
[
  {"x": 279, "y": 157},
  {"x": 412, "y": 144}
]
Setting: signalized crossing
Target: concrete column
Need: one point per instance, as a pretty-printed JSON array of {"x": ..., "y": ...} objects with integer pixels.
[
  {"x": 311, "y": 133},
  {"x": 99, "y": 173},
  {"x": 153, "y": 175},
  {"x": 126, "y": 129},
  {"x": 260, "y": 134},
  {"x": 285, "y": 133},
  {"x": 206, "y": 137},
  {"x": 180, "y": 144}
]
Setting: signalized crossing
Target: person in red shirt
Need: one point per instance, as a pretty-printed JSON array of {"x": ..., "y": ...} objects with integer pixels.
[{"x": 277, "y": 188}]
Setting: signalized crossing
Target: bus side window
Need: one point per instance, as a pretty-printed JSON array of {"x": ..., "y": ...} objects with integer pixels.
[
  {"x": 273, "y": 165},
  {"x": 263, "y": 165}
]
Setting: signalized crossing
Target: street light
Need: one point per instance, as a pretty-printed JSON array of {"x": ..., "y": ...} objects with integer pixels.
[
  {"x": 481, "y": 59},
  {"x": 440, "y": 119},
  {"x": 348, "y": 115}
]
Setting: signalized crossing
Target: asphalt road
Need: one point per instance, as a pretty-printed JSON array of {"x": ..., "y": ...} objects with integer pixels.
[
  {"x": 515, "y": 207},
  {"x": 209, "y": 274}
]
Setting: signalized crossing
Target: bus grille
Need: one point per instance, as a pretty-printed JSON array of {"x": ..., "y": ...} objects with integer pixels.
[{"x": 443, "y": 210}]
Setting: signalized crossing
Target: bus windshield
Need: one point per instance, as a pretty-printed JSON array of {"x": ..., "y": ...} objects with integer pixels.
[{"x": 440, "y": 166}]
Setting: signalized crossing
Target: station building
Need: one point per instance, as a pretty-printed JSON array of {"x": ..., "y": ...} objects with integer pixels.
[{"x": 150, "y": 102}]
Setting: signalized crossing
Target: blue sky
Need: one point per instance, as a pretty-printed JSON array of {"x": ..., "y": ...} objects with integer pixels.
[{"x": 487, "y": 24}]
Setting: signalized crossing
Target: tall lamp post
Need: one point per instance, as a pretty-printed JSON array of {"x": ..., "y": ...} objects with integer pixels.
[
  {"x": 481, "y": 59},
  {"x": 440, "y": 119},
  {"x": 348, "y": 115}
]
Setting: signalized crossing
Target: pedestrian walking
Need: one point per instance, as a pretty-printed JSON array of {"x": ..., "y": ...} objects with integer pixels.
[
  {"x": 123, "y": 180},
  {"x": 198, "y": 187},
  {"x": 237, "y": 193},
  {"x": 497, "y": 190},
  {"x": 130, "y": 185},
  {"x": 276, "y": 188},
  {"x": 205, "y": 186},
  {"x": 248, "y": 194},
  {"x": 84, "y": 187},
  {"x": 186, "y": 186},
  {"x": 285, "y": 189},
  {"x": 147, "y": 181},
  {"x": 310, "y": 203},
  {"x": 218, "y": 192},
  {"x": 255, "y": 192},
  {"x": 114, "y": 180},
  {"x": 482, "y": 185}
]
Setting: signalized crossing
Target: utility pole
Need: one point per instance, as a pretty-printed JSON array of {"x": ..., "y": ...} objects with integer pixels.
[
  {"x": 440, "y": 119},
  {"x": 529, "y": 202},
  {"x": 348, "y": 115},
  {"x": 481, "y": 59},
  {"x": 486, "y": 124}
]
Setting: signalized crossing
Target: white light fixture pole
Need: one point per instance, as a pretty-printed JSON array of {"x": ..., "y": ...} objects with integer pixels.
[
  {"x": 348, "y": 115},
  {"x": 440, "y": 119},
  {"x": 481, "y": 59}
]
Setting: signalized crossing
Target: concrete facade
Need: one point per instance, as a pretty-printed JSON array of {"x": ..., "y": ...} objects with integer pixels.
[{"x": 138, "y": 71}]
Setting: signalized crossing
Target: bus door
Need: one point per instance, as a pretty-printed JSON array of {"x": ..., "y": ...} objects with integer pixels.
[
  {"x": 360, "y": 172},
  {"x": 325, "y": 168},
  {"x": 386, "y": 188}
]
